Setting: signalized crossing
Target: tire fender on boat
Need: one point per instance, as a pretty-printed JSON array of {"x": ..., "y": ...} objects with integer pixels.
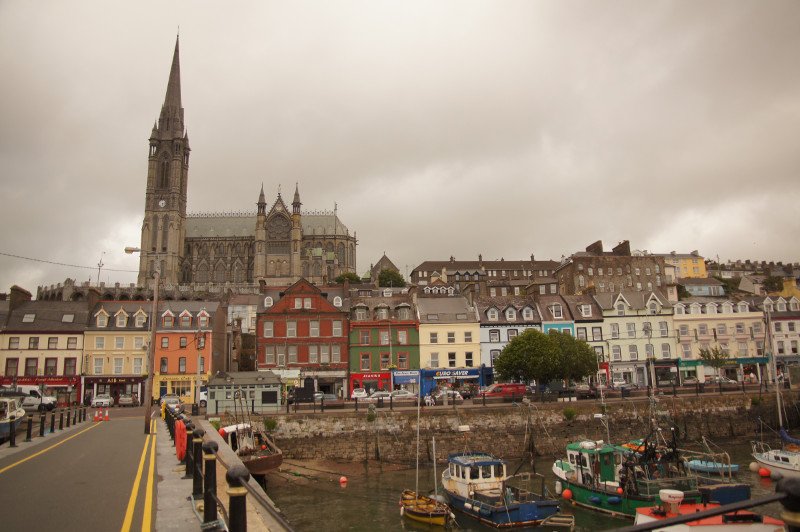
[
  {"x": 180, "y": 440},
  {"x": 559, "y": 487}
]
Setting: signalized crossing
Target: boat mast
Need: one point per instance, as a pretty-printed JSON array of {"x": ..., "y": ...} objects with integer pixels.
[
  {"x": 435, "y": 478},
  {"x": 768, "y": 342},
  {"x": 416, "y": 483}
]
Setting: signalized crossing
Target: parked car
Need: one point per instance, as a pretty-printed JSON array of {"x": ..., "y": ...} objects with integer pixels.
[
  {"x": 127, "y": 399},
  {"x": 616, "y": 383},
  {"x": 584, "y": 391},
  {"x": 506, "y": 389},
  {"x": 378, "y": 395},
  {"x": 101, "y": 400},
  {"x": 690, "y": 381},
  {"x": 722, "y": 380},
  {"x": 359, "y": 393},
  {"x": 173, "y": 401},
  {"x": 404, "y": 396},
  {"x": 468, "y": 392},
  {"x": 329, "y": 398},
  {"x": 452, "y": 395},
  {"x": 628, "y": 386},
  {"x": 165, "y": 397}
]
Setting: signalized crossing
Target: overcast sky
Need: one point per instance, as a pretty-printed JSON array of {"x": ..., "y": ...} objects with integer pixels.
[{"x": 439, "y": 128}]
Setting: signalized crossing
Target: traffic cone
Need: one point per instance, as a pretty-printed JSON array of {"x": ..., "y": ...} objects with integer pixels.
[
  {"x": 96, "y": 416},
  {"x": 106, "y": 418}
]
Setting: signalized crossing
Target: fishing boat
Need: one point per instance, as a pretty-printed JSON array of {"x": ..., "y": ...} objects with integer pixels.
[
  {"x": 477, "y": 484},
  {"x": 418, "y": 507},
  {"x": 257, "y": 451},
  {"x": 785, "y": 460},
  {"x": 10, "y": 407},
  {"x": 672, "y": 505},
  {"x": 715, "y": 468}
]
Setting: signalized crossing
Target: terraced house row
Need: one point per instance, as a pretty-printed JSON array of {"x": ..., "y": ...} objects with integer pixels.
[{"x": 337, "y": 338}]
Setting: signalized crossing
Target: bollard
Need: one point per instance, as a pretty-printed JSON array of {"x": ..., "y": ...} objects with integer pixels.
[
  {"x": 236, "y": 477},
  {"x": 210, "y": 449},
  {"x": 188, "y": 473},
  {"x": 12, "y": 431},
  {"x": 42, "y": 421},
  {"x": 61, "y": 420},
  {"x": 75, "y": 417},
  {"x": 52, "y": 422},
  {"x": 674, "y": 390},
  {"x": 197, "y": 459},
  {"x": 29, "y": 432},
  {"x": 720, "y": 387},
  {"x": 391, "y": 405},
  {"x": 69, "y": 416},
  {"x": 356, "y": 404},
  {"x": 483, "y": 395}
]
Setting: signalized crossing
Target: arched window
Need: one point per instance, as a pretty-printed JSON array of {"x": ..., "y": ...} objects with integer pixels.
[
  {"x": 165, "y": 232},
  {"x": 268, "y": 302},
  {"x": 163, "y": 172},
  {"x": 337, "y": 301},
  {"x": 219, "y": 273},
  {"x": 154, "y": 233}
]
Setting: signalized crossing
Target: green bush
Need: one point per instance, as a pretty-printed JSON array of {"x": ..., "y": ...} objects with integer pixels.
[
  {"x": 570, "y": 413},
  {"x": 215, "y": 423},
  {"x": 371, "y": 414},
  {"x": 270, "y": 423},
  {"x": 755, "y": 401}
]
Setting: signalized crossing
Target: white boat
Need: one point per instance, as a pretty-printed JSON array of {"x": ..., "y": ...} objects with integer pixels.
[
  {"x": 10, "y": 407},
  {"x": 786, "y": 460},
  {"x": 672, "y": 505}
]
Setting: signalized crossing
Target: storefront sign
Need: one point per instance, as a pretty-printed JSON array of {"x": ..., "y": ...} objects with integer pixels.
[
  {"x": 405, "y": 377},
  {"x": 49, "y": 380},
  {"x": 456, "y": 374}
]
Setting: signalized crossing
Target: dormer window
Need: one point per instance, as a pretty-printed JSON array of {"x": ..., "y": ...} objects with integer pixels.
[
  {"x": 652, "y": 307},
  {"x": 169, "y": 320},
  {"x": 742, "y": 307},
  {"x": 102, "y": 320},
  {"x": 586, "y": 311},
  {"x": 620, "y": 309},
  {"x": 186, "y": 321},
  {"x": 382, "y": 313},
  {"x": 387, "y": 292},
  {"x": 727, "y": 308},
  {"x": 695, "y": 309},
  {"x": 768, "y": 307},
  {"x": 492, "y": 314},
  {"x": 555, "y": 310},
  {"x": 679, "y": 309},
  {"x": 511, "y": 314},
  {"x": 361, "y": 314},
  {"x": 794, "y": 305},
  {"x": 140, "y": 319},
  {"x": 122, "y": 320},
  {"x": 711, "y": 309},
  {"x": 202, "y": 320},
  {"x": 404, "y": 313},
  {"x": 527, "y": 313},
  {"x": 781, "y": 306}
]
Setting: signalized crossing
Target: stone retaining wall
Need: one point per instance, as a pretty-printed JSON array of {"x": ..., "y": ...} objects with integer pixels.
[{"x": 515, "y": 431}]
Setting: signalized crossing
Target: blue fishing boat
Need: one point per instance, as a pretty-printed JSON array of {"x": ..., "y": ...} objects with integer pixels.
[
  {"x": 477, "y": 484},
  {"x": 716, "y": 468}
]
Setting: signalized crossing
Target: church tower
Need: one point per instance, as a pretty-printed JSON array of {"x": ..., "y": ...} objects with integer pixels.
[
  {"x": 297, "y": 234},
  {"x": 164, "y": 226}
]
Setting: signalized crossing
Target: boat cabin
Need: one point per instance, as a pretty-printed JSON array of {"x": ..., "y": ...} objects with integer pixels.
[
  {"x": 473, "y": 472},
  {"x": 594, "y": 462}
]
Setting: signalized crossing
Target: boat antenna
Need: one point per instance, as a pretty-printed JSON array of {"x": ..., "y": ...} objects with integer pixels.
[{"x": 435, "y": 482}]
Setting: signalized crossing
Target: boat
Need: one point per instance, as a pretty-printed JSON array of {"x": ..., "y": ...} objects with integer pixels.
[
  {"x": 477, "y": 484},
  {"x": 10, "y": 406},
  {"x": 785, "y": 460},
  {"x": 418, "y": 507},
  {"x": 672, "y": 505},
  {"x": 257, "y": 451},
  {"x": 716, "y": 468}
]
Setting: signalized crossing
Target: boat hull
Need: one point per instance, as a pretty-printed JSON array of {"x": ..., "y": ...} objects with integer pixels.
[
  {"x": 504, "y": 516},
  {"x": 423, "y": 509},
  {"x": 716, "y": 468},
  {"x": 6, "y": 427},
  {"x": 774, "y": 466}
]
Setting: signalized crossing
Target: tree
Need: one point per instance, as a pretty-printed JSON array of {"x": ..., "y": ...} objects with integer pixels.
[
  {"x": 714, "y": 357},
  {"x": 577, "y": 359},
  {"x": 349, "y": 276},
  {"x": 390, "y": 278},
  {"x": 773, "y": 284},
  {"x": 531, "y": 355}
]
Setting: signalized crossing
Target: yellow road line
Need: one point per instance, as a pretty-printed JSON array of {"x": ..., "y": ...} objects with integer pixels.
[
  {"x": 15, "y": 464},
  {"x": 126, "y": 524},
  {"x": 148, "y": 494}
]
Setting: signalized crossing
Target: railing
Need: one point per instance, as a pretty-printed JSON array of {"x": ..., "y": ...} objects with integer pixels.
[
  {"x": 74, "y": 415},
  {"x": 200, "y": 460}
]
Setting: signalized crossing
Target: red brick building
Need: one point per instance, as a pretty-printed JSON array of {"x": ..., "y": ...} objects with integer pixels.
[{"x": 302, "y": 334}]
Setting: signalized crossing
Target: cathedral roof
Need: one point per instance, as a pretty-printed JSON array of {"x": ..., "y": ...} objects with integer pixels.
[{"x": 199, "y": 226}]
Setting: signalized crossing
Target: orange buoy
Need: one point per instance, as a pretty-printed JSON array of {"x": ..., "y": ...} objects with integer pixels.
[
  {"x": 620, "y": 491},
  {"x": 263, "y": 447},
  {"x": 763, "y": 472},
  {"x": 180, "y": 440},
  {"x": 222, "y": 433},
  {"x": 567, "y": 494},
  {"x": 343, "y": 481}
]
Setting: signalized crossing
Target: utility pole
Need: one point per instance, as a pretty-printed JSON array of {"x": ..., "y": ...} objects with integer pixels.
[{"x": 99, "y": 266}]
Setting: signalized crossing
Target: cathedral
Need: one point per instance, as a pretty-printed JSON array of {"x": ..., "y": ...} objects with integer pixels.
[{"x": 275, "y": 245}]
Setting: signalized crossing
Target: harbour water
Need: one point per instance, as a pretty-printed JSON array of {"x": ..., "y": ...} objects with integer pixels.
[{"x": 369, "y": 502}]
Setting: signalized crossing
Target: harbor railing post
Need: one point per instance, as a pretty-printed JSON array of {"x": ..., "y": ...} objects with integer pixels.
[
  {"x": 69, "y": 415},
  {"x": 52, "y": 422},
  {"x": 12, "y": 432},
  {"x": 61, "y": 420},
  {"x": 75, "y": 417},
  {"x": 42, "y": 423},
  {"x": 210, "y": 482},
  {"x": 236, "y": 477},
  {"x": 29, "y": 432},
  {"x": 189, "y": 450},
  {"x": 356, "y": 404},
  {"x": 197, "y": 459},
  {"x": 720, "y": 387}
]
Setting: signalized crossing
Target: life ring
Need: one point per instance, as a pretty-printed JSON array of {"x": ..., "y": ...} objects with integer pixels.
[{"x": 180, "y": 440}]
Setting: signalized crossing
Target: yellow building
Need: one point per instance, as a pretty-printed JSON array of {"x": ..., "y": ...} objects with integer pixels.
[
  {"x": 115, "y": 348},
  {"x": 449, "y": 333},
  {"x": 687, "y": 265}
]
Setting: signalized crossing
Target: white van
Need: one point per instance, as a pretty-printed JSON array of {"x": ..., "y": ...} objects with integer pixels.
[{"x": 34, "y": 400}]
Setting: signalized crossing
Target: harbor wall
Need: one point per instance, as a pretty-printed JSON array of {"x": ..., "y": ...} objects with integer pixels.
[{"x": 515, "y": 431}]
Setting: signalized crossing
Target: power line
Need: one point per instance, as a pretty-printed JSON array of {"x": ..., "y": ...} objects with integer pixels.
[{"x": 63, "y": 263}]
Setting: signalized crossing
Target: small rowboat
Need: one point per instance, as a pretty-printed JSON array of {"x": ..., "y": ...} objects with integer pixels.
[
  {"x": 718, "y": 468},
  {"x": 424, "y": 509}
]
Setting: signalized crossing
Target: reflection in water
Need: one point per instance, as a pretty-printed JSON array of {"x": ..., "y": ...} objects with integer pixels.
[{"x": 370, "y": 502}]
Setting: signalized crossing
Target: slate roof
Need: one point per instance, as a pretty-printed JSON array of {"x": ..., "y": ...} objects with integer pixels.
[
  {"x": 448, "y": 310},
  {"x": 48, "y": 316},
  {"x": 699, "y": 281},
  {"x": 244, "y": 226},
  {"x": 637, "y": 300},
  {"x": 501, "y": 303},
  {"x": 546, "y": 301},
  {"x": 112, "y": 307},
  {"x": 574, "y": 303},
  {"x": 473, "y": 266}
]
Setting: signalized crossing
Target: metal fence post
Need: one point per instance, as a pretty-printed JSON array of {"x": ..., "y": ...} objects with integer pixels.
[
  {"x": 42, "y": 423},
  {"x": 29, "y": 432},
  {"x": 197, "y": 459},
  {"x": 210, "y": 482},
  {"x": 12, "y": 431},
  {"x": 236, "y": 477},
  {"x": 189, "y": 450}
]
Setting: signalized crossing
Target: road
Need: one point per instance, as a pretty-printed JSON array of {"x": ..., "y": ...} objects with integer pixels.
[{"x": 94, "y": 476}]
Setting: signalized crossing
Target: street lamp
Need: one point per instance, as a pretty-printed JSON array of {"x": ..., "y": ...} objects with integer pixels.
[
  {"x": 651, "y": 357},
  {"x": 200, "y": 342},
  {"x": 147, "y": 400}
]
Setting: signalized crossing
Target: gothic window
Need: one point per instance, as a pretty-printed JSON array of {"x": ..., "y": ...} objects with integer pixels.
[
  {"x": 219, "y": 273},
  {"x": 165, "y": 233},
  {"x": 340, "y": 253},
  {"x": 317, "y": 269},
  {"x": 154, "y": 234},
  {"x": 202, "y": 273},
  {"x": 186, "y": 273},
  {"x": 163, "y": 171}
]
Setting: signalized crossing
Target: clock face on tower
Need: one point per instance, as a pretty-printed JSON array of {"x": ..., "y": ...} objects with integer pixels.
[{"x": 162, "y": 203}]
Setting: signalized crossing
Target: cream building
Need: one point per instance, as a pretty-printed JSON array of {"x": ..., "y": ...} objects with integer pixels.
[{"x": 449, "y": 333}]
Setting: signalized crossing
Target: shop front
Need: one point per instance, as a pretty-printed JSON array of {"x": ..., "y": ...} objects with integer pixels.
[
  {"x": 113, "y": 386},
  {"x": 181, "y": 385},
  {"x": 432, "y": 379},
  {"x": 666, "y": 371},
  {"x": 633, "y": 372},
  {"x": 66, "y": 389},
  {"x": 371, "y": 381},
  {"x": 406, "y": 380},
  {"x": 690, "y": 369}
]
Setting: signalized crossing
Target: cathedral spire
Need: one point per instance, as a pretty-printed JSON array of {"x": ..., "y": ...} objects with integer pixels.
[
  {"x": 296, "y": 202},
  {"x": 171, "y": 119},
  {"x": 262, "y": 202}
]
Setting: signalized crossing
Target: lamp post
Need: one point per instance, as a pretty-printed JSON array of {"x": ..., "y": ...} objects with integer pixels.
[
  {"x": 651, "y": 357},
  {"x": 200, "y": 342},
  {"x": 147, "y": 400}
]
